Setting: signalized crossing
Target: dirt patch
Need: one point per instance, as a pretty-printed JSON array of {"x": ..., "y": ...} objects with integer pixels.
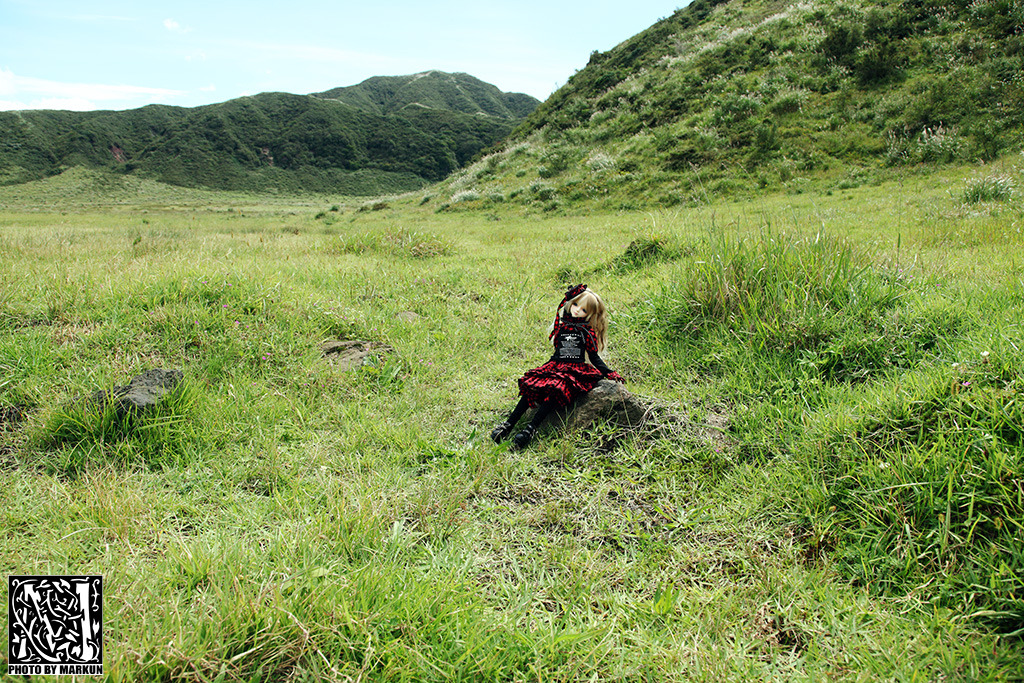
[
  {"x": 715, "y": 427},
  {"x": 347, "y": 355},
  {"x": 11, "y": 416},
  {"x": 775, "y": 630},
  {"x": 71, "y": 333},
  {"x": 613, "y": 513}
]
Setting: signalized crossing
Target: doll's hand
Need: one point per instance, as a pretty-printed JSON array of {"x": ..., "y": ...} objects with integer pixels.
[{"x": 616, "y": 377}]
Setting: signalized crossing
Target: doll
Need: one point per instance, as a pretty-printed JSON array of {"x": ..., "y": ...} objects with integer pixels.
[{"x": 578, "y": 334}]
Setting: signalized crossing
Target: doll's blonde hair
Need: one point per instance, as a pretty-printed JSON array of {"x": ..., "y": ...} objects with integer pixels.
[{"x": 597, "y": 315}]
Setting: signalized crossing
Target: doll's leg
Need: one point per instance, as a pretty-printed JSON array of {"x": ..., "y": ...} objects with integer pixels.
[
  {"x": 501, "y": 432},
  {"x": 524, "y": 436}
]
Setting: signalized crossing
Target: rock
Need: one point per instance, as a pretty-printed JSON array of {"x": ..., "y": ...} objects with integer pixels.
[
  {"x": 346, "y": 355},
  {"x": 611, "y": 403},
  {"x": 607, "y": 401},
  {"x": 143, "y": 392}
]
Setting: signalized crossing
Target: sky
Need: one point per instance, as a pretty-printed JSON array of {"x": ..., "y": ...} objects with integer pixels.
[{"x": 121, "y": 54}]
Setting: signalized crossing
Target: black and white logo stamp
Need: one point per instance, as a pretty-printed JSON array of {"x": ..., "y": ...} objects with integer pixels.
[{"x": 55, "y": 625}]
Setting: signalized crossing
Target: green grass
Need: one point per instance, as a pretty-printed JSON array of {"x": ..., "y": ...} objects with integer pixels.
[{"x": 858, "y": 519}]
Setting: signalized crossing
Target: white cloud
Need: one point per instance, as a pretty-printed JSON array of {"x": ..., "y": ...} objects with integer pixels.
[
  {"x": 174, "y": 26},
  {"x": 208, "y": 88},
  {"x": 37, "y": 93},
  {"x": 7, "y": 85},
  {"x": 65, "y": 103}
]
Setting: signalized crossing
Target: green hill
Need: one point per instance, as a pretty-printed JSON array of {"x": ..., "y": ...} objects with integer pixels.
[
  {"x": 275, "y": 141},
  {"x": 730, "y": 97},
  {"x": 384, "y": 95}
]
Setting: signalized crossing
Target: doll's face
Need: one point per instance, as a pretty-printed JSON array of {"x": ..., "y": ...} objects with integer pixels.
[{"x": 578, "y": 311}]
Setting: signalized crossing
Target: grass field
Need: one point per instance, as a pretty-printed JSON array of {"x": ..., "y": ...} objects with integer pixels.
[{"x": 859, "y": 518}]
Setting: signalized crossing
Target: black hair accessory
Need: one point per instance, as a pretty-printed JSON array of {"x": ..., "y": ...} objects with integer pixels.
[{"x": 570, "y": 293}]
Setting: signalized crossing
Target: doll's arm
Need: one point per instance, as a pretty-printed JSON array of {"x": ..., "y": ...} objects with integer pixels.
[{"x": 596, "y": 361}]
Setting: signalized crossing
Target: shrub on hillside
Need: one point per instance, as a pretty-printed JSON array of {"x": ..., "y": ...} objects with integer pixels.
[
  {"x": 878, "y": 63},
  {"x": 554, "y": 163},
  {"x": 600, "y": 161},
  {"x": 542, "y": 191},
  {"x": 989, "y": 189},
  {"x": 935, "y": 145},
  {"x": 999, "y": 18},
  {"x": 839, "y": 46},
  {"x": 465, "y": 196}
]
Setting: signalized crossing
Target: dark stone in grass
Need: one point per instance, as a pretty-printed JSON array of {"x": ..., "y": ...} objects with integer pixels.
[
  {"x": 143, "y": 392},
  {"x": 610, "y": 403}
]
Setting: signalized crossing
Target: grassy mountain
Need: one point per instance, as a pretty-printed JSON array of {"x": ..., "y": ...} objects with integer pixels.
[
  {"x": 384, "y": 95},
  {"x": 729, "y": 97},
  {"x": 270, "y": 141}
]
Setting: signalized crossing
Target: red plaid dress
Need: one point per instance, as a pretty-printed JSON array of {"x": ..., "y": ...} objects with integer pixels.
[{"x": 567, "y": 375}]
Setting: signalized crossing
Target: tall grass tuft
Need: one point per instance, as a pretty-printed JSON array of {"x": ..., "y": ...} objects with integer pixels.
[
  {"x": 395, "y": 241},
  {"x": 87, "y": 430},
  {"x": 997, "y": 188},
  {"x": 774, "y": 291},
  {"x": 920, "y": 489},
  {"x": 647, "y": 251}
]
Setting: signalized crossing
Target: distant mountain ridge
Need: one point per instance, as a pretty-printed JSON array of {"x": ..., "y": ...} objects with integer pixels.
[
  {"x": 388, "y": 134},
  {"x": 458, "y": 92}
]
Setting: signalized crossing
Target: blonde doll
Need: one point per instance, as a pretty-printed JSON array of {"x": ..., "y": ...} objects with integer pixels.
[{"x": 578, "y": 334}]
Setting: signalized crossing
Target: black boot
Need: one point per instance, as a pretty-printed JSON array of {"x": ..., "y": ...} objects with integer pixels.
[
  {"x": 501, "y": 432},
  {"x": 523, "y": 437}
]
